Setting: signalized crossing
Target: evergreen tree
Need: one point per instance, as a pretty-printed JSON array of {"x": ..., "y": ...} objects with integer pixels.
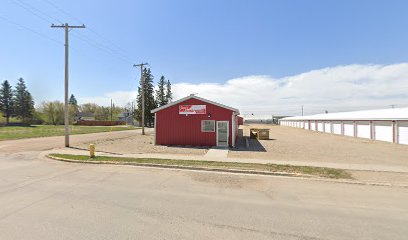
[
  {"x": 6, "y": 100},
  {"x": 73, "y": 101},
  {"x": 150, "y": 102},
  {"x": 160, "y": 95},
  {"x": 23, "y": 101},
  {"x": 169, "y": 94},
  {"x": 73, "y": 107}
]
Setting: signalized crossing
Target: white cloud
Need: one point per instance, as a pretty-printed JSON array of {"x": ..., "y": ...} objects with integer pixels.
[{"x": 340, "y": 88}]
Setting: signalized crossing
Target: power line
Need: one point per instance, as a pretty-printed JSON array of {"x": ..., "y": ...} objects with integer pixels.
[
  {"x": 121, "y": 51},
  {"x": 106, "y": 39},
  {"x": 97, "y": 45},
  {"x": 35, "y": 11},
  {"x": 30, "y": 30},
  {"x": 100, "y": 47},
  {"x": 113, "y": 51},
  {"x": 63, "y": 11}
]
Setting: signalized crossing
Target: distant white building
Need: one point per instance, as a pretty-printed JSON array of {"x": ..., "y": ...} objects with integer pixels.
[{"x": 390, "y": 125}]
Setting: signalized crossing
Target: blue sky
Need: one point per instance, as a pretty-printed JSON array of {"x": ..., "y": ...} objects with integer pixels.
[{"x": 197, "y": 44}]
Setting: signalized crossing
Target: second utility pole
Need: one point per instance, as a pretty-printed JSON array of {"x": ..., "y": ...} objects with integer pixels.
[
  {"x": 143, "y": 95},
  {"x": 66, "y": 26}
]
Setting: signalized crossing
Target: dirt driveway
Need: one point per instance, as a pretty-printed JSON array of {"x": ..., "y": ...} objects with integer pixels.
[
  {"x": 139, "y": 143},
  {"x": 295, "y": 144}
]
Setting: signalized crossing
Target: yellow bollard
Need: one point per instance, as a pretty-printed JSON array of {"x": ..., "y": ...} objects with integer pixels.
[{"x": 92, "y": 150}]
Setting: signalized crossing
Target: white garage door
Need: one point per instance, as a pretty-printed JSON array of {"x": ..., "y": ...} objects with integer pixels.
[
  {"x": 307, "y": 125},
  {"x": 313, "y": 126},
  {"x": 349, "y": 129},
  {"x": 327, "y": 127},
  {"x": 403, "y": 132},
  {"x": 363, "y": 129},
  {"x": 320, "y": 126},
  {"x": 383, "y": 131},
  {"x": 337, "y": 128}
]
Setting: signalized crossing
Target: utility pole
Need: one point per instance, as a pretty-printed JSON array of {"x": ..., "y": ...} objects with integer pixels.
[
  {"x": 143, "y": 95},
  {"x": 67, "y": 27},
  {"x": 111, "y": 110},
  {"x": 132, "y": 111},
  {"x": 302, "y": 110}
]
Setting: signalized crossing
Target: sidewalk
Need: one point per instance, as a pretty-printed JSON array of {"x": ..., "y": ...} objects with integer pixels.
[{"x": 221, "y": 156}]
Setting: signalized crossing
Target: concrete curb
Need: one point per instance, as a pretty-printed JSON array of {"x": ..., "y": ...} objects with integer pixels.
[
  {"x": 286, "y": 174},
  {"x": 234, "y": 171}
]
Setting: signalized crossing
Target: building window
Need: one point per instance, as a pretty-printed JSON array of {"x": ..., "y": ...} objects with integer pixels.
[{"x": 208, "y": 126}]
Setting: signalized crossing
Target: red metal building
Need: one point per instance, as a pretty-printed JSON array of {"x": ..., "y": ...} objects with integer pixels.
[{"x": 196, "y": 121}]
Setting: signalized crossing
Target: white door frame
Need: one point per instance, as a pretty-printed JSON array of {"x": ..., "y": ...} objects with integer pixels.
[
  {"x": 234, "y": 124},
  {"x": 227, "y": 134}
]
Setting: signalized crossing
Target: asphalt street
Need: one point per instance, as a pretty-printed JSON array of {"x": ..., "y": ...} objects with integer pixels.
[{"x": 46, "y": 199}]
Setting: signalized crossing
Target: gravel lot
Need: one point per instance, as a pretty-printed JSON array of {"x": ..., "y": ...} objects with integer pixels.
[
  {"x": 295, "y": 144},
  {"x": 141, "y": 144}
]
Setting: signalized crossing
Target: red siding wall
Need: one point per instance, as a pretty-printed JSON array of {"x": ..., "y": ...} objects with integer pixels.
[
  {"x": 240, "y": 120},
  {"x": 173, "y": 128}
]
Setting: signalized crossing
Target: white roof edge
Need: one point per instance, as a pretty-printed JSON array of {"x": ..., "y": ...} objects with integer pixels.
[
  {"x": 195, "y": 97},
  {"x": 365, "y": 115}
]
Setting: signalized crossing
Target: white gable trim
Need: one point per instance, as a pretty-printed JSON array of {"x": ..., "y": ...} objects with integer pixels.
[{"x": 195, "y": 97}]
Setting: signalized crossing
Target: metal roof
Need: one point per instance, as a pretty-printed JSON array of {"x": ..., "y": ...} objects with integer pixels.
[
  {"x": 195, "y": 97},
  {"x": 379, "y": 114}
]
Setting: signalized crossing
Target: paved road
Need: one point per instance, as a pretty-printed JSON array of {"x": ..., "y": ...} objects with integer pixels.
[{"x": 43, "y": 199}]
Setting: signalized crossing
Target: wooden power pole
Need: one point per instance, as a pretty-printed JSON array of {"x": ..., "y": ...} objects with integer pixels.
[
  {"x": 143, "y": 95},
  {"x": 67, "y": 27}
]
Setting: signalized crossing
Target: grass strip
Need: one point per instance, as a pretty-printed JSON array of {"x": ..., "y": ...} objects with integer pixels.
[
  {"x": 302, "y": 170},
  {"x": 21, "y": 132}
]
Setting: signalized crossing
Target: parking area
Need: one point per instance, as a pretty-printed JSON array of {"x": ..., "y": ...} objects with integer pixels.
[{"x": 295, "y": 144}]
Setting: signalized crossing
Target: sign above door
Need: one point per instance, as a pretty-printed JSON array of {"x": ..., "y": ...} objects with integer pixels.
[{"x": 192, "y": 109}]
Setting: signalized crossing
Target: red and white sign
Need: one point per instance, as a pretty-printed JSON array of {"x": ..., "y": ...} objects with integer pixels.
[{"x": 192, "y": 109}]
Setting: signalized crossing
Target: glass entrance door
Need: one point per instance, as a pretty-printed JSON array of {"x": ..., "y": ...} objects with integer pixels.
[{"x": 222, "y": 133}]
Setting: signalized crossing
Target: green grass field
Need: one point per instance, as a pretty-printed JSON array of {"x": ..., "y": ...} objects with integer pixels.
[
  {"x": 314, "y": 171},
  {"x": 11, "y": 132}
]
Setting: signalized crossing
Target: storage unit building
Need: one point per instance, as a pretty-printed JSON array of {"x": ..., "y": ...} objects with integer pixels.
[
  {"x": 196, "y": 121},
  {"x": 402, "y": 132},
  {"x": 320, "y": 126},
  {"x": 364, "y": 129},
  {"x": 389, "y": 125},
  {"x": 336, "y": 127},
  {"x": 348, "y": 128},
  {"x": 327, "y": 127}
]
